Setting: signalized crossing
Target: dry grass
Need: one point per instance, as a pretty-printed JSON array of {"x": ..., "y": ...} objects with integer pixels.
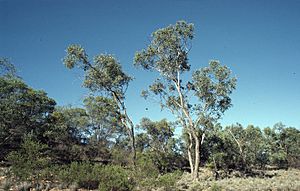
[
  {"x": 279, "y": 180},
  {"x": 276, "y": 180}
]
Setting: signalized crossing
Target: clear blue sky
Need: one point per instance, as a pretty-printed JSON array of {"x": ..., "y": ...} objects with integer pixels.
[{"x": 259, "y": 40}]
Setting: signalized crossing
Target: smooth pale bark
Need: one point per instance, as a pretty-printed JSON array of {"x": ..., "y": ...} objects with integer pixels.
[
  {"x": 127, "y": 122},
  {"x": 133, "y": 148},
  {"x": 197, "y": 156},
  {"x": 240, "y": 149},
  {"x": 190, "y": 153},
  {"x": 194, "y": 163},
  {"x": 190, "y": 145}
]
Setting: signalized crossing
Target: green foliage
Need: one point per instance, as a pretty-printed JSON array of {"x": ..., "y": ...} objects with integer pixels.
[
  {"x": 105, "y": 74},
  {"x": 104, "y": 119},
  {"x": 23, "y": 110},
  {"x": 283, "y": 145},
  {"x": 215, "y": 187},
  {"x": 167, "y": 54},
  {"x": 242, "y": 148},
  {"x": 69, "y": 129},
  {"x": 120, "y": 154},
  {"x": 7, "y": 69},
  {"x": 145, "y": 167},
  {"x": 29, "y": 161},
  {"x": 279, "y": 158},
  {"x": 262, "y": 158},
  {"x": 158, "y": 143},
  {"x": 213, "y": 86},
  {"x": 197, "y": 104},
  {"x": 147, "y": 177},
  {"x": 115, "y": 178},
  {"x": 158, "y": 133},
  {"x": 85, "y": 174},
  {"x": 92, "y": 176},
  {"x": 168, "y": 50},
  {"x": 168, "y": 181},
  {"x": 72, "y": 123}
]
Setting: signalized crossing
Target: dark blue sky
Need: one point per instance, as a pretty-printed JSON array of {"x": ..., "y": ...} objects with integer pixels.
[{"x": 259, "y": 40}]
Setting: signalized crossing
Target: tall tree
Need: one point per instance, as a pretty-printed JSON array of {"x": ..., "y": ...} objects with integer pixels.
[
  {"x": 23, "y": 110},
  {"x": 105, "y": 76},
  {"x": 167, "y": 54}
]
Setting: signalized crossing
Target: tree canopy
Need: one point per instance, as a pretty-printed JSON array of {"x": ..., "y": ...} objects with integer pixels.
[
  {"x": 97, "y": 145},
  {"x": 167, "y": 54}
]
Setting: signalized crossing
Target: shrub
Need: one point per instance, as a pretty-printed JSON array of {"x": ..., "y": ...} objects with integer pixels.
[
  {"x": 279, "y": 159},
  {"x": 168, "y": 181},
  {"x": 115, "y": 178},
  {"x": 6, "y": 185},
  {"x": 145, "y": 168},
  {"x": 215, "y": 187},
  {"x": 145, "y": 172},
  {"x": 89, "y": 176},
  {"x": 120, "y": 156},
  {"x": 84, "y": 174},
  {"x": 29, "y": 161}
]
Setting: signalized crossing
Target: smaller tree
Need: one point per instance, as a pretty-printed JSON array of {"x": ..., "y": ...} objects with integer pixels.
[
  {"x": 105, "y": 128},
  {"x": 217, "y": 150},
  {"x": 104, "y": 76},
  {"x": 105, "y": 123},
  {"x": 250, "y": 145},
  {"x": 68, "y": 133},
  {"x": 30, "y": 160},
  {"x": 157, "y": 141},
  {"x": 283, "y": 145}
]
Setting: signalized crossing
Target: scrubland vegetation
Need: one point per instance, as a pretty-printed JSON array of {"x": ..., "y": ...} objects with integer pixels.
[{"x": 98, "y": 147}]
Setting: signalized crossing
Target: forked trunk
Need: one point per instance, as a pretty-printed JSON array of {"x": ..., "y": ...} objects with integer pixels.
[{"x": 198, "y": 144}]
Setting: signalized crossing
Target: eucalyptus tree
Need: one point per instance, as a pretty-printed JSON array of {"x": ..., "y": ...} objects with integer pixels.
[
  {"x": 159, "y": 134},
  {"x": 7, "y": 69},
  {"x": 104, "y": 119},
  {"x": 157, "y": 141},
  {"x": 283, "y": 145},
  {"x": 104, "y": 75},
  {"x": 23, "y": 110},
  {"x": 211, "y": 86},
  {"x": 68, "y": 136}
]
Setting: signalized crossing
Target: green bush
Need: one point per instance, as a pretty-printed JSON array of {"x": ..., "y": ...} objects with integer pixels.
[
  {"x": 29, "y": 161},
  {"x": 85, "y": 174},
  {"x": 168, "y": 181},
  {"x": 145, "y": 167},
  {"x": 115, "y": 178},
  {"x": 120, "y": 156},
  {"x": 279, "y": 159},
  {"x": 89, "y": 176},
  {"x": 215, "y": 187},
  {"x": 145, "y": 172}
]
